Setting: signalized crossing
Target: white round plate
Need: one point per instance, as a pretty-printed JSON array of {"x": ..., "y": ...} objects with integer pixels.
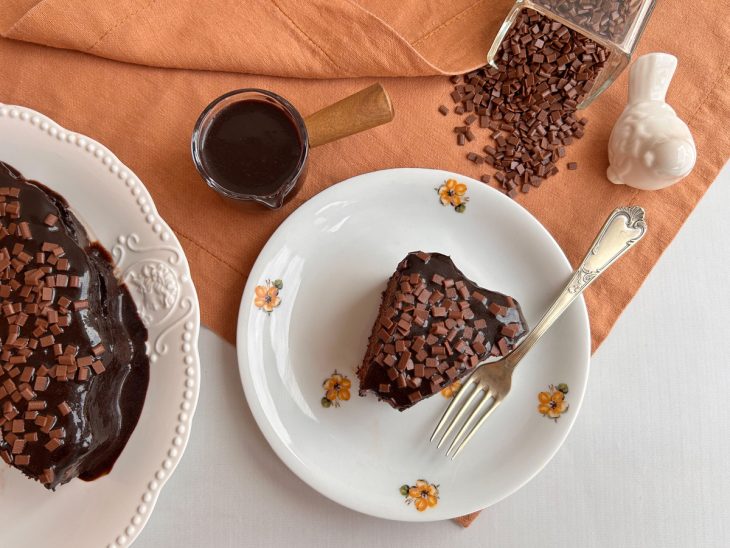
[
  {"x": 333, "y": 257},
  {"x": 119, "y": 212}
]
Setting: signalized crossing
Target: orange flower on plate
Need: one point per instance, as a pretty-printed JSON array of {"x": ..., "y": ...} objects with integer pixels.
[
  {"x": 552, "y": 403},
  {"x": 453, "y": 193},
  {"x": 423, "y": 495},
  {"x": 266, "y": 297},
  {"x": 337, "y": 388},
  {"x": 451, "y": 390}
]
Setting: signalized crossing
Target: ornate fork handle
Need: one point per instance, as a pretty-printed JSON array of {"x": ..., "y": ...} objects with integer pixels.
[{"x": 624, "y": 227}]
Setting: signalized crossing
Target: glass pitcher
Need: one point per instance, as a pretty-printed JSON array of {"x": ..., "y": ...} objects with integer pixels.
[{"x": 615, "y": 24}]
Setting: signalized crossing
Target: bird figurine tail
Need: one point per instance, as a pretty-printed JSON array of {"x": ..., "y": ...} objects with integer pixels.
[{"x": 650, "y": 77}]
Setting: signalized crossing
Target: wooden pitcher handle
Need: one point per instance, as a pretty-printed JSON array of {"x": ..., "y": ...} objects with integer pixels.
[{"x": 368, "y": 108}]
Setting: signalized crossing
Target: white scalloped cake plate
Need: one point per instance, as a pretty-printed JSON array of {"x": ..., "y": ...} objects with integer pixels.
[
  {"x": 334, "y": 255},
  {"x": 115, "y": 205}
]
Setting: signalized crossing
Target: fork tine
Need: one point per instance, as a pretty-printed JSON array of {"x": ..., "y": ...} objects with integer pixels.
[
  {"x": 460, "y": 414},
  {"x": 473, "y": 431},
  {"x": 466, "y": 427},
  {"x": 452, "y": 407}
]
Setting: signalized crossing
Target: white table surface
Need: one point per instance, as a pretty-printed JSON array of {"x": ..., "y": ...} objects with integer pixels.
[{"x": 646, "y": 464}]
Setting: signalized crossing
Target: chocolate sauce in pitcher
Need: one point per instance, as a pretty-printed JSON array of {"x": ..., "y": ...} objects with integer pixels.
[{"x": 252, "y": 147}]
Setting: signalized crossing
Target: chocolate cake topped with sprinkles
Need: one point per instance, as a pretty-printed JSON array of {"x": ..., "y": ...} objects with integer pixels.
[
  {"x": 434, "y": 326},
  {"x": 73, "y": 366}
]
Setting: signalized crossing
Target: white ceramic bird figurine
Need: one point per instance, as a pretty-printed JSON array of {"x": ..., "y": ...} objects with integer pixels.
[{"x": 650, "y": 146}]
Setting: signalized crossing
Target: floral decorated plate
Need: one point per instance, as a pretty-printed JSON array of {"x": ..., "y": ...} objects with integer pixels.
[
  {"x": 118, "y": 211},
  {"x": 307, "y": 312}
]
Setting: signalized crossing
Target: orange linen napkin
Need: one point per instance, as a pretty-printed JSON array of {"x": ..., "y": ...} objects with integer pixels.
[{"x": 135, "y": 74}]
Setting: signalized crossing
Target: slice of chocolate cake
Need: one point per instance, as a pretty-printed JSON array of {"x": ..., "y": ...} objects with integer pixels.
[
  {"x": 73, "y": 366},
  {"x": 434, "y": 326}
]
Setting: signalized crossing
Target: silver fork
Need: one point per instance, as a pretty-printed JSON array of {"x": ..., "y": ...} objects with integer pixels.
[{"x": 493, "y": 380}]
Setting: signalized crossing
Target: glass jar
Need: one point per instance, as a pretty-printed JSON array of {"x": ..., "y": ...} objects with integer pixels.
[{"x": 615, "y": 24}]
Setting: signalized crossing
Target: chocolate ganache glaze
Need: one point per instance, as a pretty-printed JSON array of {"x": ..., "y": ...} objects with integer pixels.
[
  {"x": 73, "y": 366},
  {"x": 434, "y": 326}
]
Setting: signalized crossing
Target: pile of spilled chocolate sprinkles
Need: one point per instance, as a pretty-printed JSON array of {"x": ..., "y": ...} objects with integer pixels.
[{"x": 544, "y": 71}]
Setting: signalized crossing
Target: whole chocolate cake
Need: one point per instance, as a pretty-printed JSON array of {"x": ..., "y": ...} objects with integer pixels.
[
  {"x": 73, "y": 366},
  {"x": 434, "y": 326}
]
